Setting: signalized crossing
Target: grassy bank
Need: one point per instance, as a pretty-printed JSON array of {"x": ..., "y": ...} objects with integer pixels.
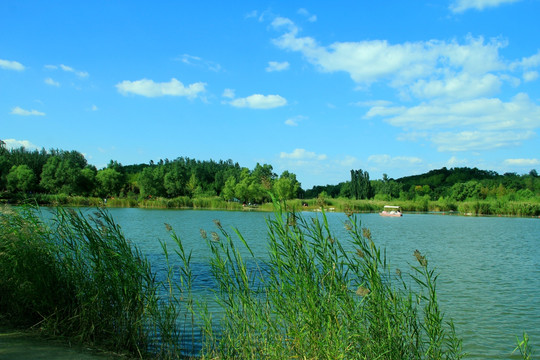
[
  {"x": 500, "y": 207},
  {"x": 80, "y": 278}
]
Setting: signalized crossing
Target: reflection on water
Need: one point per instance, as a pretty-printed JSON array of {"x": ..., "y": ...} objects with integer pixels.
[{"x": 489, "y": 267}]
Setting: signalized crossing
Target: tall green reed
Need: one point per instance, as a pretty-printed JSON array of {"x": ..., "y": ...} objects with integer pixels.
[
  {"x": 315, "y": 299},
  {"x": 81, "y": 278}
]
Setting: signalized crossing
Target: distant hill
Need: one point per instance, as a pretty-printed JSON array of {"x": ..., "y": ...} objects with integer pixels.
[{"x": 447, "y": 177}]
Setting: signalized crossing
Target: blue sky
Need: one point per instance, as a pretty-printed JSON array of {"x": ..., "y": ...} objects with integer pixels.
[{"x": 314, "y": 87}]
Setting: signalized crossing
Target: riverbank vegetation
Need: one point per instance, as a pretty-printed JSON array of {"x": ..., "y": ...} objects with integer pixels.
[
  {"x": 78, "y": 277},
  {"x": 58, "y": 177}
]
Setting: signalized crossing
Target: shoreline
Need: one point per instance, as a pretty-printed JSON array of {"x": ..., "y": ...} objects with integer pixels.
[
  {"x": 488, "y": 208},
  {"x": 17, "y": 344}
]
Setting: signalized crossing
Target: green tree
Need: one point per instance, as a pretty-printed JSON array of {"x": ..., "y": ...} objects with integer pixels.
[
  {"x": 193, "y": 185},
  {"x": 60, "y": 175},
  {"x": 151, "y": 181},
  {"x": 360, "y": 185},
  {"x": 21, "y": 178},
  {"x": 174, "y": 182},
  {"x": 228, "y": 190},
  {"x": 87, "y": 181},
  {"x": 286, "y": 187},
  {"x": 110, "y": 182},
  {"x": 241, "y": 190}
]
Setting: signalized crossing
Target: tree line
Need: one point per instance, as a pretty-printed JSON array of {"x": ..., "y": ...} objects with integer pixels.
[
  {"x": 68, "y": 172},
  {"x": 24, "y": 171},
  {"x": 456, "y": 184}
]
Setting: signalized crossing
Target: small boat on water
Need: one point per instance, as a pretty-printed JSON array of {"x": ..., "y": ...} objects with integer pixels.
[{"x": 391, "y": 211}]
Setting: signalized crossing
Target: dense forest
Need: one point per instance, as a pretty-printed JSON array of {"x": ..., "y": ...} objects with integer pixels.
[
  {"x": 27, "y": 172},
  {"x": 458, "y": 184},
  {"x": 67, "y": 172}
]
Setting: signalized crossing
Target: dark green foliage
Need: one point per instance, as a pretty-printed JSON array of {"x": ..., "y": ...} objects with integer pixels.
[
  {"x": 79, "y": 278},
  {"x": 360, "y": 185},
  {"x": 66, "y": 174}
]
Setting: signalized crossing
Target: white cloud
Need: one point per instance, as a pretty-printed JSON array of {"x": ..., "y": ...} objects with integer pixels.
[
  {"x": 459, "y": 6},
  {"x": 81, "y": 74},
  {"x": 478, "y": 124},
  {"x": 302, "y": 154},
  {"x": 530, "y": 76},
  {"x": 385, "y": 159},
  {"x": 11, "y": 65},
  {"x": 455, "y": 162},
  {"x": 425, "y": 62},
  {"x": 522, "y": 162},
  {"x": 295, "y": 120},
  {"x": 51, "y": 82},
  {"x": 200, "y": 62},
  {"x": 228, "y": 93},
  {"x": 94, "y": 108},
  {"x": 348, "y": 161},
  {"x": 462, "y": 86},
  {"x": 531, "y": 61},
  {"x": 483, "y": 114},
  {"x": 373, "y": 103},
  {"x": 279, "y": 22},
  {"x": 22, "y": 112},
  {"x": 277, "y": 66},
  {"x": 252, "y": 14},
  {"x": 15, "y": 144},
  {"x": 479, "y": 140},
  {"x": 310, "y": 17},
  {"x": 452, "y": 85},
  {"x": 258, "y": 101},
  {"x": 149, "y": 88}
]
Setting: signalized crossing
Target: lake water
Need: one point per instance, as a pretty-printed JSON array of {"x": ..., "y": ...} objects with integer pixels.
[{"x": 489, "y": 267}]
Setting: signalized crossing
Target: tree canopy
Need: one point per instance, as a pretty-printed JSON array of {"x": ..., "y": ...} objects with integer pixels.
[{"x": 67, "y": 172}]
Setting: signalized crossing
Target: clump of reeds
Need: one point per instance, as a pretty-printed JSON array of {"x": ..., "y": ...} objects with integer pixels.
[
  {"x": 74, "y": 277},
  {"x": 316, "y": 297},
  {"x": 316, "y": 300}
]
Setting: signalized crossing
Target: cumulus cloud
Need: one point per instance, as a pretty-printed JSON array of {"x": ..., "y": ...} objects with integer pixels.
[
  {"x": 451, "y": 85},
  {"x": 302, "y": 154},
  {"x": 475, "y": 140},
  {"x": 11, "y": 65},
  {"x": 277, "y": 66},
  {"x": 22, "y": 112},
  {"x": 530, "y": 76},
  {"x": 51, "y": 82},
  {"x": 482, "y": 114},
  {"x": 522, "y": 162},
  {"x": 258, "y": 101},
  {"x": 459, "y": 6},
  {"x": 462, "y": 86},
  {"x": 15, "y": 144},
  {"x": 478, "y": 124},
  {"x": 425, "y": 68},
  {"x": 149, "y": 88}
]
